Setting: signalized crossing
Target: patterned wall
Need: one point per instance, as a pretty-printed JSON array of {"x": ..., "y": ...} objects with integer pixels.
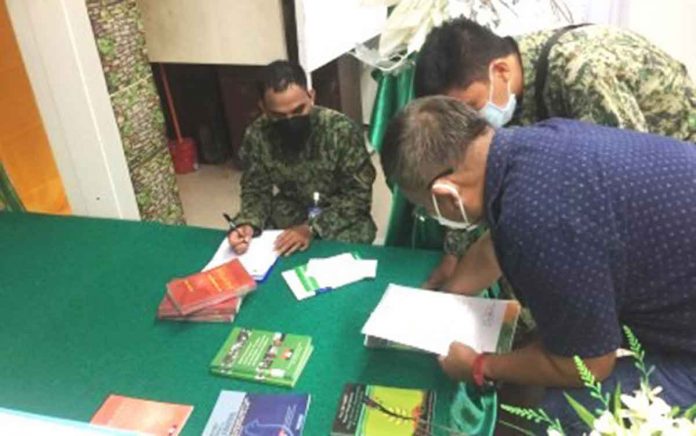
[{"x": 118, "y": 30}]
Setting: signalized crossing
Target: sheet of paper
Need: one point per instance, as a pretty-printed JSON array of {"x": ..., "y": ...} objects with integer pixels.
[
  {"x": 431, "y": 321},
  {"x": 340, "y": 270},
  {"x": 258, "y": 259}
]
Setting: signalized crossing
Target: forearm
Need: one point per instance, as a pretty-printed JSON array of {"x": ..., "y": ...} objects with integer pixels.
[
  {"x": 475, "y": 271},
  {"x": 533, "y": 365}
]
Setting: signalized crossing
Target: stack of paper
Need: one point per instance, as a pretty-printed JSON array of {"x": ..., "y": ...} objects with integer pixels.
[
  {"x": 431, "y": 321},
  {"x": 259, "y": 258},
  {"x": 320, "y": 275}
]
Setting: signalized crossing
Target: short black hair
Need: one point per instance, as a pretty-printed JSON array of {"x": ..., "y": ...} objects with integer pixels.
[
  {"x": 456, "y": 54},
  {"x": 279, "y": 75},
  {"x": 429, "y": 136}
]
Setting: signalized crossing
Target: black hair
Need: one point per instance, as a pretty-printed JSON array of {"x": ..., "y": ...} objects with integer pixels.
[
  {"x": 279, "y": 75},
  {"x": 429, "y": 136},
  {"x": 456, "y": 54}
]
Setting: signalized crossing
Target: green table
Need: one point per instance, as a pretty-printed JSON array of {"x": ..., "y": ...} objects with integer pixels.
[{"x": 77, "y": 321}]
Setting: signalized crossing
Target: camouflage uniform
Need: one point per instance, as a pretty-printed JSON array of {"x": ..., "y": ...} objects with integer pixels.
[
  {"x": 277, "y": 191},
  {"x": 606, "y": 76},
  {"x": 609, "y": 76}
]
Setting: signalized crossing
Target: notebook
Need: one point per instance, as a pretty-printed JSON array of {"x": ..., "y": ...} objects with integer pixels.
[
  {"x": 431, "y": 321},
  {"x": 259, "y": 258}
]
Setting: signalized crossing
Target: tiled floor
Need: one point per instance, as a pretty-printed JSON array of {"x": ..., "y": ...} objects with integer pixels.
[{"x": 214, "y": 189}]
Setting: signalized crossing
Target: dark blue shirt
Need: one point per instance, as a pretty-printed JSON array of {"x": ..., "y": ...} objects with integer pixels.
[{"x": 595, "y": 228}]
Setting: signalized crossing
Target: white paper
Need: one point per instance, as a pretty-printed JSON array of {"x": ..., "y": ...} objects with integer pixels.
[
  {"x": 340, "y": 270},
  {"x": 296, "y": 286},
  {"x": 258, "y": 259},
  {"x": 431, "y": 321}
]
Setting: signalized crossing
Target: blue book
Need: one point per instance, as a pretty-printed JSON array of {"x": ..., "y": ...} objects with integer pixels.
[{"x": 245, "y": 414}]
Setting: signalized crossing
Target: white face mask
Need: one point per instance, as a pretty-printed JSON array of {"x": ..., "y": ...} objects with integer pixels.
[
  {"x": 499, "y": 116},
  {"x": 465, "y": 224}
]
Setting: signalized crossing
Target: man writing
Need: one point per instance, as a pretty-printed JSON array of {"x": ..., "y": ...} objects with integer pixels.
[
  {"x": 307, "y": 169},
  {"x": 594, "y": 227}
]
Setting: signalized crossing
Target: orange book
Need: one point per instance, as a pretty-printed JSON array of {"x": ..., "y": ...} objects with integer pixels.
[
  {"x": 153, "y": 417},
  {"x": 230, "y": 306},
  {"x": 207, "y": 288}
]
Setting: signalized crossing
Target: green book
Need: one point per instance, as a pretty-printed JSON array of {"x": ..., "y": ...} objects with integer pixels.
[
  {"x": 263, "y": 356},
  {"x": 370, "y": 410}
]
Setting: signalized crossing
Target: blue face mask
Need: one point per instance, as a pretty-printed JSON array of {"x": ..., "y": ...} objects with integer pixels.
[{"x": 499, "y": 116}]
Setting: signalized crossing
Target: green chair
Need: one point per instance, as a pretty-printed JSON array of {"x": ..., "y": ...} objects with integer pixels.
[{"x": 9, "y": 199}]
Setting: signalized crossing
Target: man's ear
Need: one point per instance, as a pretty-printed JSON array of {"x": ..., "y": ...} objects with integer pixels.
[
  {"x": 501, "y": 68},
  {"x": 445, "y": 191},
  {"x": 312, "y": 94}
]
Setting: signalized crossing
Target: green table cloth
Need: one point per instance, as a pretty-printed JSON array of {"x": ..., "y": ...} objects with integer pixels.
[{"x": 78, "y": 298}]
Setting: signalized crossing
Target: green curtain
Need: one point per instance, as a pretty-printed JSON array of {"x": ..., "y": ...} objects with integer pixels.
[
  {"x": 394, "y": 91},
  {"x": 472, "y": 413}
]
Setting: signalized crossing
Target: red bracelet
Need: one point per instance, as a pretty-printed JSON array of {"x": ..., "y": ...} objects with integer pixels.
[{"x": 477, "y": 370}]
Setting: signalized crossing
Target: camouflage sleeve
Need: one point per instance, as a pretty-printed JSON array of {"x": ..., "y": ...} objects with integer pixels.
[
  {"x": 603, "y": 99},
  {"x": 458, "y": 241},
  {"x": 257, "y": 187},
  {"x": 354, "y": 178}
]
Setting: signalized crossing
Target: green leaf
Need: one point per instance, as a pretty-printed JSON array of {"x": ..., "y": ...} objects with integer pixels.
[
  {"x": 585, "y": 415},
  {"x": 617, "y": 402},
  {"x": 690, "y": 413},
  {"x": 518, "y": 429},
  {"x": 674, "y": 412}
]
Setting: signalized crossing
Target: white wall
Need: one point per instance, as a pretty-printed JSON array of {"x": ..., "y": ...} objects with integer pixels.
[
  {"x": 248, "y": 32},
  {"x": 60, "y": 55}
]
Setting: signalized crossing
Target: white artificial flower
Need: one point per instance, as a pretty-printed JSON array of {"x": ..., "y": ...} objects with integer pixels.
[{"x": 607, "y": 424}]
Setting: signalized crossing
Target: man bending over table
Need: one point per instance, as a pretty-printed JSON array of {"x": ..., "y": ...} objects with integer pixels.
[{"x": 594, "y": 227}]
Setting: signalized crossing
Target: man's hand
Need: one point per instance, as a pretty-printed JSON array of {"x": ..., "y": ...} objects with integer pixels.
[
  {"x": 240, "y": 238},
  {"x": 459, "y": 361},
  {"x": 442, "y": 273},
  {"x": 293, "y": 239}
]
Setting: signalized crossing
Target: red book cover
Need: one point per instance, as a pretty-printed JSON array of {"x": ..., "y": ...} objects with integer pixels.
[
  {"x": 166, "y": 308},
  {"x": 207, "y": 288},
  {"x": 151, "y": 417}
]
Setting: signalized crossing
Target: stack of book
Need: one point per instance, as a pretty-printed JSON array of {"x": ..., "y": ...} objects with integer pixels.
[
  {"x": 263, "y": 356},
  {"x": 214, "y": 295}
]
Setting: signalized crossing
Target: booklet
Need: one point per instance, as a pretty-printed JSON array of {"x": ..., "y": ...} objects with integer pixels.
[
  {"x": 369, "y": 410},
  {"x": 208, "y": 288},
  {"x": 259, "y": 258},
  {"x": 431, "y": 321},
  {"x": 263, "y": 356},
  {"x": 18, "y": 423},
  {"x": 242, "y": 414},
  {"x": 152, "y": 417},
  {"x": 326, "y": 274}
]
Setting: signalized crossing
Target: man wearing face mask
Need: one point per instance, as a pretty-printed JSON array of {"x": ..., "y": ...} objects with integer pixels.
[
  {"x": 599, "y": 74},
  {"x": 594, "y": 227},
  {"x": 307, "y": 169}
]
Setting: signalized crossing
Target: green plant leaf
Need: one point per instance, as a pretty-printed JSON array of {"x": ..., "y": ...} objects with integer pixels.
[
  {"x": 690, "y": 413},
  {"x": 617, "y": 402},
  {"x": 585, "y": 415}
]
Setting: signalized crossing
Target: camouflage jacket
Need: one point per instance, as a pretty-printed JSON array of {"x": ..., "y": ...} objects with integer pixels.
[
  {"x": 335, "y": 163},
  {"x": 607, "y": 76}
]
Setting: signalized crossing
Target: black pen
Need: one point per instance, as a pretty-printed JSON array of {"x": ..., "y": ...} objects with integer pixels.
[{"x": 233, "y": 226}]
